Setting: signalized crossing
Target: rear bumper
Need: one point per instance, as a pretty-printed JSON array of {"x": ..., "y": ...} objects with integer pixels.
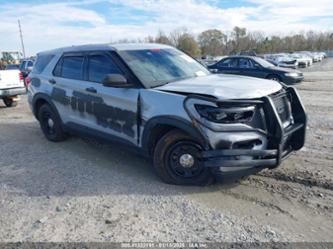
[
  {"x": 281, "y": 142},
  {"x": 12, "y": 91}
]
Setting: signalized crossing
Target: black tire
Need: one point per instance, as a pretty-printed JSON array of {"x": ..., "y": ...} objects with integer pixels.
[
  {"x": 274, "y": 77},
  {"x": 167, "y": 160},
  {"x": 50, "y": 124},
  {"x": 9, "y": 102}
]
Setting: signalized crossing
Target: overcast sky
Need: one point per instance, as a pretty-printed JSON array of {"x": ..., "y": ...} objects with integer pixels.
[{"x": 49, "y": 24}]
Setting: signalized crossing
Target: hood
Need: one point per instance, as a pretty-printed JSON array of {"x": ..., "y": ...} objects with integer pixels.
[{"x": 224, "y": 86}]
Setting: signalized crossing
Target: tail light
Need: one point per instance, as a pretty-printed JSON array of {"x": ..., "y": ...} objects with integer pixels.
[
  {"x": 27, "y": 81},
  {"x": 21, "y": 76}
]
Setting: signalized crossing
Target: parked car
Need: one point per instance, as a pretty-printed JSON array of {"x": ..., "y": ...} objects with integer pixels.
[
  {"x": 256, "y": 67},
  {"x": 315, "y": 57},
  {"x": 11, "y": 85},
  {"x": 323, "y": 54},
  {"x": 303, "y": 59},
  {"x": 26, "y": 66},
  {"x": 282, "y": 60},
  {"x": 166, "y": 105},
  {"x": 12, "y": 67}
]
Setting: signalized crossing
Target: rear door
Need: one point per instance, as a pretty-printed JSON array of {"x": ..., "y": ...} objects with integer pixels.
[{"x": 68, "y": 78}]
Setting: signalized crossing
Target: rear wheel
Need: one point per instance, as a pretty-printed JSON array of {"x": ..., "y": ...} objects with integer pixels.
[
  {"x": 9, "y": 102},
  {"x": 50, "y": 124},
  {"x": 176, "y": 160}
]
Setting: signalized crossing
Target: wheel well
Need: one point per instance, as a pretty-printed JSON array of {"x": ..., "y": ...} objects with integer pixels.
[
  {"x": 38, "y": 105},
  {"x": 272, "y": 74},
  {"x": 156, "y": 133}
]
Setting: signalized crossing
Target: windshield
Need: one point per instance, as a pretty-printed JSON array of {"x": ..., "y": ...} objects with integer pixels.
[
  {"x": 263, "y": 62},
  {"x": 156, "y": 67}
]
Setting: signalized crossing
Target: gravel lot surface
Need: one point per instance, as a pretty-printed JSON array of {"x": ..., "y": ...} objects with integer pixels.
[{"x": 82, "y": 190}]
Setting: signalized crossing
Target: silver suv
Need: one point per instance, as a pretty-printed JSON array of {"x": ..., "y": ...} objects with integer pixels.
[{"x": 196, "y": 126}]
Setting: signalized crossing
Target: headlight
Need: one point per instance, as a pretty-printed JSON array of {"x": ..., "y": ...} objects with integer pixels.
[
  {"x": 226, "y": 115},
  {"x": 291, "y": 74}
]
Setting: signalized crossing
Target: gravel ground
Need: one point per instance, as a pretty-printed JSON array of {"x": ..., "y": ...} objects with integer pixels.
[{"x": 82, "y": 190}]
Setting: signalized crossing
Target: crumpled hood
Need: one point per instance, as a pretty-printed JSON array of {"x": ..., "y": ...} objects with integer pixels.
[{"x": 224, "y": 86}]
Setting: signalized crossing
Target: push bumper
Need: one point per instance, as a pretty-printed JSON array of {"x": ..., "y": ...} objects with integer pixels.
[
  {"x": 281, "y": 141},
  {"x": 12, "y": 91}
]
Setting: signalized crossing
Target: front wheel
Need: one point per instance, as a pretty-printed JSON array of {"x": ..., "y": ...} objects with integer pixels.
[
  {"x": 9, "y": 102},
  {"x": 176, "y": 160}
]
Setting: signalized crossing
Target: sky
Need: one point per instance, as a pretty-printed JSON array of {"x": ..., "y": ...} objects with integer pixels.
[{"x": 48, "y": 24}]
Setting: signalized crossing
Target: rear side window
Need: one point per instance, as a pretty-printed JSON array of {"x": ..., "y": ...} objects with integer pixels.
[
  {"x": 41, "y": 62},
  {"x": 72, "y": 67},
  {"x": 99, "y": 66}
]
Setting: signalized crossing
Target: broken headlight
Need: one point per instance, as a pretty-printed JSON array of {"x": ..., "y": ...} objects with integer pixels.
[{"x": 226, "y": 115}]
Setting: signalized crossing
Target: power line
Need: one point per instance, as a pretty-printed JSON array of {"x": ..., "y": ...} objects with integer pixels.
[{"x": 21, "y": 36}]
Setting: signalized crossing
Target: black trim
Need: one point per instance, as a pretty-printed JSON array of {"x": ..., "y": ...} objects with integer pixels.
[
  {"x": 176, "y": 122},
  {"x": 116, "y": 59},
  {"x": 48, "y": 100},
  {"x": 281, "y": 141}
]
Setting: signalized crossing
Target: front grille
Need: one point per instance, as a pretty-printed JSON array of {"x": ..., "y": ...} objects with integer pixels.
[{"x": 283, "y": 107}]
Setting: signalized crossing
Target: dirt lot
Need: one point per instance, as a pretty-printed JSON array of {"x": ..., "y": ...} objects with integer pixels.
[{"x": 81, "y": 190}]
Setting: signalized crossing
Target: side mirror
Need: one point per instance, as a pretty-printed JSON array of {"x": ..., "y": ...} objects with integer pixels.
[{"x": 115, "y": 80}]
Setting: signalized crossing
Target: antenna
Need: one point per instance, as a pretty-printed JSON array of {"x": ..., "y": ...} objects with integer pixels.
[{"x": 21, "y": 36}]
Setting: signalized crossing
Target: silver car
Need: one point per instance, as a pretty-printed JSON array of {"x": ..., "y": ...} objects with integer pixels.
[{"x": 196, "y": 126}]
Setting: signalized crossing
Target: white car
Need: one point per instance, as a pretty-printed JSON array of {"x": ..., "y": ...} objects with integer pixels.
[
  {"x": 282, "y": 60},
  {"x": 315, "y": 57},
  {"x": 11, "y": 85},
  {"x": 303, "y": 60}
]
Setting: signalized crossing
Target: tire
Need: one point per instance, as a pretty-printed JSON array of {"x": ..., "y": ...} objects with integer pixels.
[
  {"x": 172, "y": 149},
  {"x": 274, "y": 77},
  {"x": 50, "y": 124},
  {"x": 9, "y": 102}
]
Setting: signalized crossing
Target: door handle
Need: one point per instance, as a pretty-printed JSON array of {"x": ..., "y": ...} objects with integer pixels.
[
  {"x": 52, "y": 81},
  {"x": 91, "y": 89}
]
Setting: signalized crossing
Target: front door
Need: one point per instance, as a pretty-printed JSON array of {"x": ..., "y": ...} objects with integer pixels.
[{"x": 109, "y": 110}]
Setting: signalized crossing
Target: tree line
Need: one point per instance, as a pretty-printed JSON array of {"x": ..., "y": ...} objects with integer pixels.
[{"x": 214, "y": 42}]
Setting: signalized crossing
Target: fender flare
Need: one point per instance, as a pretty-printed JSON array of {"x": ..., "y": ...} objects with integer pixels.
[
  {"x": 48, "y": 100},
  {"x": 174, "y": 121}
]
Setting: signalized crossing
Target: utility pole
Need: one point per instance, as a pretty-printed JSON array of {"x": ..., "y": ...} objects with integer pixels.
[{"x": 21, "y": 36}]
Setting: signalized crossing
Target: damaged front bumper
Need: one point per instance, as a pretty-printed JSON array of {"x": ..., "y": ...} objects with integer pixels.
[{"x": 281, "y": 139}]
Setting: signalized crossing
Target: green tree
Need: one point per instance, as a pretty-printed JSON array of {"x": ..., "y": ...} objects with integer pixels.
[
  {"x": 187, "y": 43},
  {"x": 211, "y": 42}
]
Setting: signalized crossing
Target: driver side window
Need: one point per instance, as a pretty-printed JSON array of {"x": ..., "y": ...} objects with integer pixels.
[{"x": 99, "y": 66}]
